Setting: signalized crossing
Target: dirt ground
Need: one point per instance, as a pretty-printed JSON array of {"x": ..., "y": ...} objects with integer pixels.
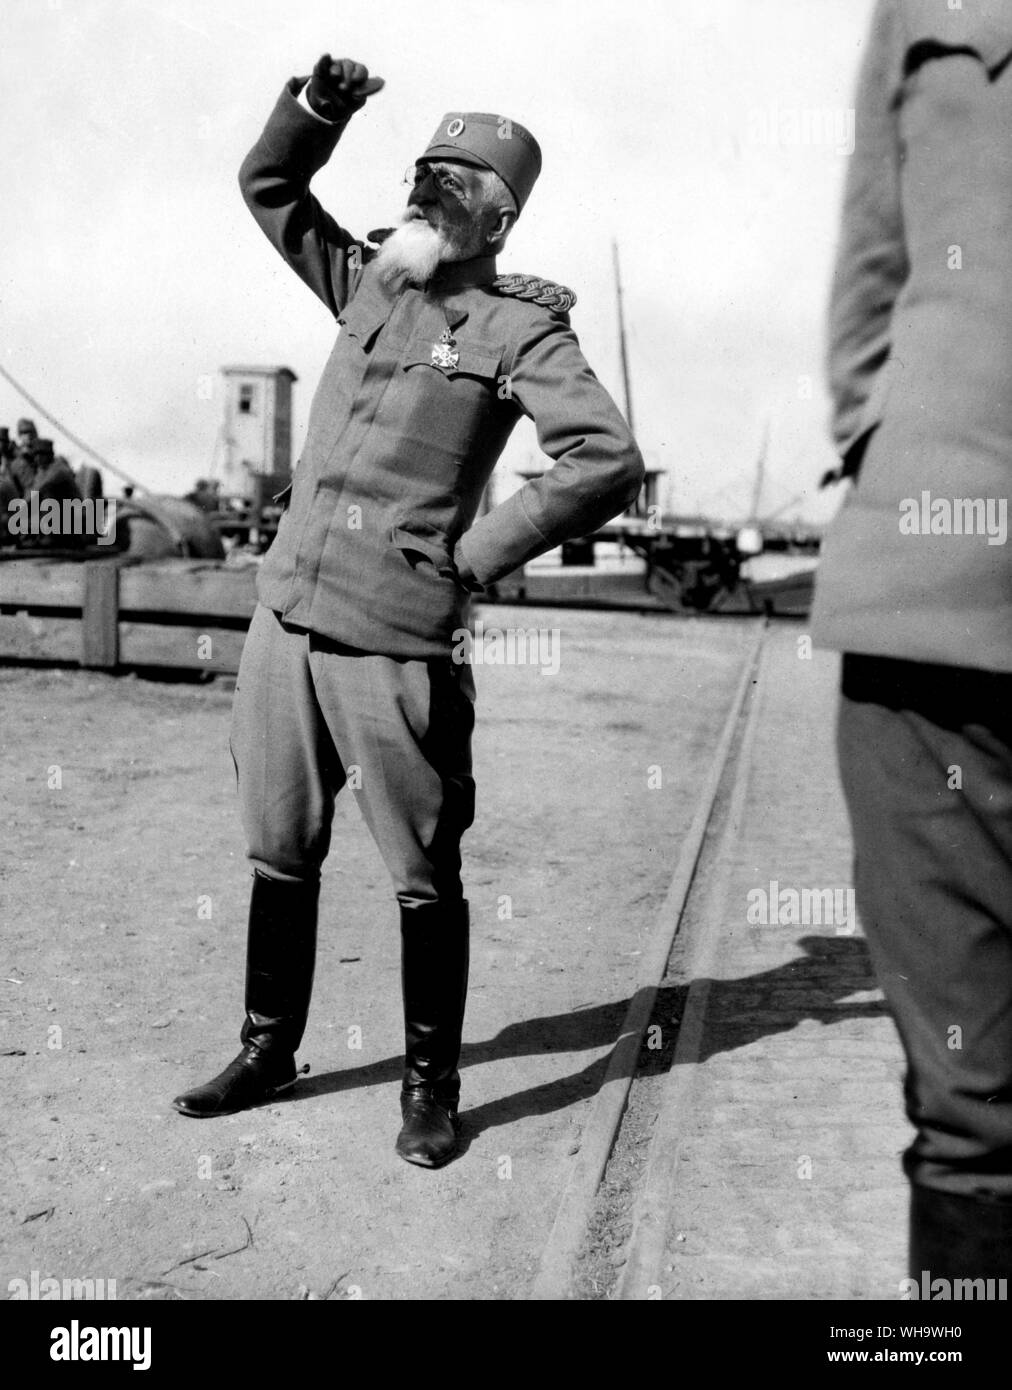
[
  {"x": 123, "y": 892},
  {"x": 775, "y": 1105}
]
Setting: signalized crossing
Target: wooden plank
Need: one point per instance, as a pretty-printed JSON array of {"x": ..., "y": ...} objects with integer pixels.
[
  {"x": 206, "y": 648},
  {"x": 27, "y": 637},
  {"x": 42, "y": 583},
  {"x": 199, "y": 587},
  {"x": 99, "y": 635}
]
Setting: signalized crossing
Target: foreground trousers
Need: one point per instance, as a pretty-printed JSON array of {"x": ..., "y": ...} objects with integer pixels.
[
  {"x": 311, "y": 715},
  {"x": 926, "y": 764}
]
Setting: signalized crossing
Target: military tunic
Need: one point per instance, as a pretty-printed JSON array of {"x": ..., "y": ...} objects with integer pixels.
[
  {"x": 379, "y": 547},
  {"x": 920, "y": 331}
]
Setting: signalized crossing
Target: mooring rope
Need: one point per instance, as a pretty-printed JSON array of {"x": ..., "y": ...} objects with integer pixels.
[{"x": 46, "y": 415}]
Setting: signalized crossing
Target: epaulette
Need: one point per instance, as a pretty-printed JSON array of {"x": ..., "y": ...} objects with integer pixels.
[{"x": 555, "y": 297}]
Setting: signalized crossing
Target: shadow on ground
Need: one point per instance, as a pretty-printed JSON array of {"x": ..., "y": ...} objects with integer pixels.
[{"x": 739, "y": 1012}]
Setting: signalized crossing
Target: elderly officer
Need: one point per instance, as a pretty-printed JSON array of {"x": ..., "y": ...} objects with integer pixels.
[
  {"x": 347, "y": 674},
  {"x": 915, "y": 587}
]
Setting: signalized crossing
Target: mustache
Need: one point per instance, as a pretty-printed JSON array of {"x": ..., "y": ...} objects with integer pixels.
[
  {"x": 429, "y": 213},
  {"x": 415, "y": 249}
]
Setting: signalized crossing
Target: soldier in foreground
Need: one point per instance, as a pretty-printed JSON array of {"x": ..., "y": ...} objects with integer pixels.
[
  {"x": 915, "y": 587},
  {"x": 347, "y": 673}
]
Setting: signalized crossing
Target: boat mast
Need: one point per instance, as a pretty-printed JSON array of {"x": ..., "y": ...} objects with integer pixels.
[
  {"x": 621, "y": 340},
  {"x": 638, "y": 506},
  {"x": 760, "y": 472}
]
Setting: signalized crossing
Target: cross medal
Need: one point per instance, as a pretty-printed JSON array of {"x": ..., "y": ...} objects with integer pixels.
[{"x": 444, "y": 353}]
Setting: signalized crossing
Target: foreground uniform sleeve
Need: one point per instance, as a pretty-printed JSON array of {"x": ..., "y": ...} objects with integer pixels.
[
  {"x": 598, "y": 470},
  {"x": 274, "y": 180},
  {"x": 872, "y": 263}
]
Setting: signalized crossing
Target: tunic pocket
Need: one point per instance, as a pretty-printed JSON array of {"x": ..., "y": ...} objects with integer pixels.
[
  {"x": 446, "y": 408},
  {"x": 419, "y": 542},
  {"x": 468, "y": 358},
  {"x": 967, "y": 35}
]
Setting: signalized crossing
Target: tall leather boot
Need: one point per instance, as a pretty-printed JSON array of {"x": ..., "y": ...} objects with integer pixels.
[
  {"x": 434, "y": 964},
  {"x": 959, "y": 1237},
  {"x": 280, "y": 959}
]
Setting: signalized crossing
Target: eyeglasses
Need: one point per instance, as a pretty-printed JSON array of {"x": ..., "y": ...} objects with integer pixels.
[{"x": 445, "y": 181}]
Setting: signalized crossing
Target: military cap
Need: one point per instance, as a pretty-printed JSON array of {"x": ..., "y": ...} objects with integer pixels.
[
  {"x": 26, "y": 426},
  {"x": 489, "y": 142}
]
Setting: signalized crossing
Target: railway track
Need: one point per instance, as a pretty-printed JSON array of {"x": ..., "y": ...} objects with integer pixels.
[{"x": 718, "y": 812}]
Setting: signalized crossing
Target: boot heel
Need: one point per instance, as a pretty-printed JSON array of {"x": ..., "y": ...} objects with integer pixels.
[
  {"x": 287, "y": 1085},
  {"x": 245, "y": 1082}
]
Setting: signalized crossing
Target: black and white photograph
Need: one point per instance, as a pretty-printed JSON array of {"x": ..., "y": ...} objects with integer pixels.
[{"x": 506, "y": 668}]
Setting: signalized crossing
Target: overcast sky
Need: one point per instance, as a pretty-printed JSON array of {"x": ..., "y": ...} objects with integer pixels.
[{"x": 131, "y": 268}]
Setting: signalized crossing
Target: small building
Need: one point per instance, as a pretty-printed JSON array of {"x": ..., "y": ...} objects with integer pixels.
[{"x": 255, "y": 443}]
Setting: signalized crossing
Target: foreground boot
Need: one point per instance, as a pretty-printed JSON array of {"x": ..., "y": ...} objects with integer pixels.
[
  {"x": 434, "y": 966},
  {"x": 956, "y": 1237},
  {"x": 249, "y": 1079},
  {"x": 280, "y": 958}
]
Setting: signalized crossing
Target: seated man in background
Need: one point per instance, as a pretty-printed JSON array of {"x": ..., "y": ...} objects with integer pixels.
[
  {"x": 9, "y": 489},
  {"x": 39, "y": 472}
]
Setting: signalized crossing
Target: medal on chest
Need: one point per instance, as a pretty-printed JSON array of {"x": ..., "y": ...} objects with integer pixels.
[{"x": 444, "y": 353}]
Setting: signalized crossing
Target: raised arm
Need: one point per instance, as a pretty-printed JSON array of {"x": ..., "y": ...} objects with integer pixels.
[{"x": 275, "y": 177}]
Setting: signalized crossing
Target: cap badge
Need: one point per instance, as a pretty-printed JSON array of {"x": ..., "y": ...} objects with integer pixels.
[
  {"x": 455, "y": 127},
  {"x": 444, "y": 353}
]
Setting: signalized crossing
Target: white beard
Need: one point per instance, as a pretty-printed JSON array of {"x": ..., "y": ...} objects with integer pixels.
[{"x": 415, "y": 249}]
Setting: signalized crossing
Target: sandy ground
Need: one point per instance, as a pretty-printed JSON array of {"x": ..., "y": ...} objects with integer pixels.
[
  {"x": 787, "y": 1176},
  {"x": 780, "y": 1126},
  {"x": 124, "y": 890}
]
